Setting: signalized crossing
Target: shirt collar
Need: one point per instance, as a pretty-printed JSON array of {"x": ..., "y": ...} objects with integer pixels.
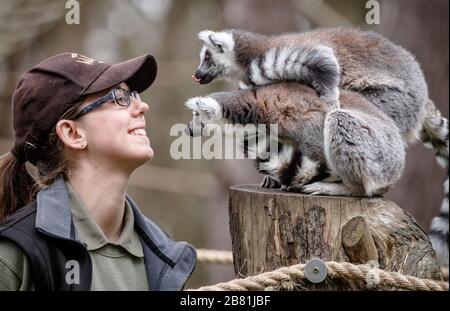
[
  {"x": 54, "y": 218},
  {"x": 91, "y": 234}
]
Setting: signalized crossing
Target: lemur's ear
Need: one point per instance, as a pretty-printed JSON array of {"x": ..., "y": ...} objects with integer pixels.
[{"x": 220, "y": 41}]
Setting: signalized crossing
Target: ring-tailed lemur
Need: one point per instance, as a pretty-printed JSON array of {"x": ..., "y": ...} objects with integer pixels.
[
  {"x": 329, "y": 60},
  {"x": 358, "y": 144}
]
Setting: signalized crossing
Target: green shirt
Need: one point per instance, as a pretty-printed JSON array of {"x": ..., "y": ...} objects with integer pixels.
[{"x": 116, "y": 266}]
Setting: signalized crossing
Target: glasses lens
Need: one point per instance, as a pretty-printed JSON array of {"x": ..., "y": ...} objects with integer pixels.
[
  {"x": 136, "y": 95},
  {"x": 122, "y": 97}
]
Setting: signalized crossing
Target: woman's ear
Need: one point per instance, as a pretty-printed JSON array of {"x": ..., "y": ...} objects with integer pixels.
[{"x": 71, "y": 134}]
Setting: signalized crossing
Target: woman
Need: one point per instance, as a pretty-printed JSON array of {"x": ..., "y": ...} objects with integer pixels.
[{"x": 81, "y": 123}]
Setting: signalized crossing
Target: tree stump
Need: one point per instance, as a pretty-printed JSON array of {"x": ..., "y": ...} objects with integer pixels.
[{"x": 271, "y": 228}]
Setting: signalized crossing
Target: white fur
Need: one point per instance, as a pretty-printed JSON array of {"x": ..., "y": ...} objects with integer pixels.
[
  {"x": 209, "y": 109},
  {"x": 442, "y": 161},
  {"x": 441, "y": 248},
  {"x": 281, "y": 60},
  {"x": 444, "y": 206},
  {"x": 428, "y": 145},
  {"x": 305, "y": 172},
  {"x": 202, "y": 53},
  {"x": 327, "y": 144},
  {"x": 269, "y": 64},
  {"x": 223, "y": 38},
  {"x": 243, "y": 86},
  {"x": 278, "y": 160},
  {"x": 443, "y": 129},
  {"x": 439, "y": 224},
  {"x": 293, "y": 64},
  {"x": 226, "y": 60},
  {"x": 308, "y": 164},
  {"x": 256, "y": 75},
  {"x": 371, "y": 187}
]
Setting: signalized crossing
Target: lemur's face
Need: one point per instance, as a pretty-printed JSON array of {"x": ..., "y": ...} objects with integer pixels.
[
  {"x": 206, "y": 112},
  {"x": 216, "y": 56}
]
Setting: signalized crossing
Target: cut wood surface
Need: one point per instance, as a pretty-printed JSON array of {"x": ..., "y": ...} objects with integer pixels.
[{"x": 271, "y": 228}]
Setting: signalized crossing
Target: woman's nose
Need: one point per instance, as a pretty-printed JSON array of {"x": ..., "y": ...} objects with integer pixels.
[{"x": 140, "y": 107}]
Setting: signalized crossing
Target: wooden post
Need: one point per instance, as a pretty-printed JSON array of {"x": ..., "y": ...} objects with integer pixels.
[{"x": 270, "y": 229}]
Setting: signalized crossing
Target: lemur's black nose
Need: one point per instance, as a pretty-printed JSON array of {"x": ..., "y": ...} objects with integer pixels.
[
  {"x": 199, "y": 76},
  {"x": 194, "y": 77}
]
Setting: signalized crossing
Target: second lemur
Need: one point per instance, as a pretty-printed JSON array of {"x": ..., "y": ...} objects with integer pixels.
[{"x": 358, "y": 144}]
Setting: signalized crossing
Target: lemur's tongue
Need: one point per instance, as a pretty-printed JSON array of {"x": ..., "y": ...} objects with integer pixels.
[{"x": 195, "y": 78}]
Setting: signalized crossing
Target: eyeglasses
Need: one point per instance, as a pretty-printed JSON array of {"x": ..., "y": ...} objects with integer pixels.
[{"x": 120, "y": 96}]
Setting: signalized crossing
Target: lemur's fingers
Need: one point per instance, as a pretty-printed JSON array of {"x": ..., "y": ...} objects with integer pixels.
[{"x": 270, "y": 182}]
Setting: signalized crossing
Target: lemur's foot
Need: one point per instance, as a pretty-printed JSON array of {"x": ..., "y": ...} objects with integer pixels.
[
  {"x": 294, "y": 188},
  {"x": 322, "y": 188},
  {"x": 270, "y": 182}
]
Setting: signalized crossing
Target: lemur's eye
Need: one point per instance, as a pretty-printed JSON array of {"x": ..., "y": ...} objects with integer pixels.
[{"x": 207, "y": 55}]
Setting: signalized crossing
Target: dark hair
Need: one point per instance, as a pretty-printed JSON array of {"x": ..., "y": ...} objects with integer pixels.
[{"x": 17, "y": 186}]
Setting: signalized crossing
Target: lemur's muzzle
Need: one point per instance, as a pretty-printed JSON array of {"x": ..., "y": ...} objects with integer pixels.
[
  {"x": 201, "y": 77},
  {"x": 194, "y": 77}
]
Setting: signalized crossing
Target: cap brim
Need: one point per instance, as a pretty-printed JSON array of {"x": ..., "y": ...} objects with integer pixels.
[{"x": 138, "y": 73}]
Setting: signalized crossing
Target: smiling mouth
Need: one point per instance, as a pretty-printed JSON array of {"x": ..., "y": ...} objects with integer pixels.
[{"x": 138, "y": 132}]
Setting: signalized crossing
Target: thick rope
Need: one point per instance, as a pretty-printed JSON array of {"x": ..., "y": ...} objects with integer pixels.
[
  {"x": 214, "y": 256},
  {"x": 286, "y": 276}
]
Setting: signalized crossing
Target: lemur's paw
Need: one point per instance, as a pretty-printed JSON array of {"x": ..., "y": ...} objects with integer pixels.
[
  {"x": 270, "y": 182},
  {"x": 205, "y": 107}
]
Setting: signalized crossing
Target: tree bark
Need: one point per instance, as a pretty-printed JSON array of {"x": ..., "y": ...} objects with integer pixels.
[{"x": 270, "y": 229}]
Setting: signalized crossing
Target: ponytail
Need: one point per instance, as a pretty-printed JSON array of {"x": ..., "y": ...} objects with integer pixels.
[{"x": 17, "y": 187}]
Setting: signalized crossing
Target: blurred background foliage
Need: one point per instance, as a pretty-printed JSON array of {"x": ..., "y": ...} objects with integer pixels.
[{"x": 188, "y": 198}]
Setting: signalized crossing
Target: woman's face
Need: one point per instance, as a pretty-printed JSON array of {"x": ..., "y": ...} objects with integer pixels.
[{"x": 117, "y": 134}]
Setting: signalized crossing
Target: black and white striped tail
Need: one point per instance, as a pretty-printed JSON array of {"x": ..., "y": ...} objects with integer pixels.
[
  {"x": 439, "y": 231},
  {"x": 436, "y": 135},
  {"x": 316, "y": 66}
]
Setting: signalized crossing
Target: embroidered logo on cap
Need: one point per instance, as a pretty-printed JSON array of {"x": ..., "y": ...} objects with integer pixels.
[{"x": 84, "y": 59}]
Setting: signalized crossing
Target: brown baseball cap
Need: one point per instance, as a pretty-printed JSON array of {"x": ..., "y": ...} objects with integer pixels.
[{"x": 46, "y": 91}]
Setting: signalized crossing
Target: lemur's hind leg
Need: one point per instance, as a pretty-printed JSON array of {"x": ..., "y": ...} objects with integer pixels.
[
  {"x": 366, "y": 152},
  {"x": 413, "y": 107}
]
